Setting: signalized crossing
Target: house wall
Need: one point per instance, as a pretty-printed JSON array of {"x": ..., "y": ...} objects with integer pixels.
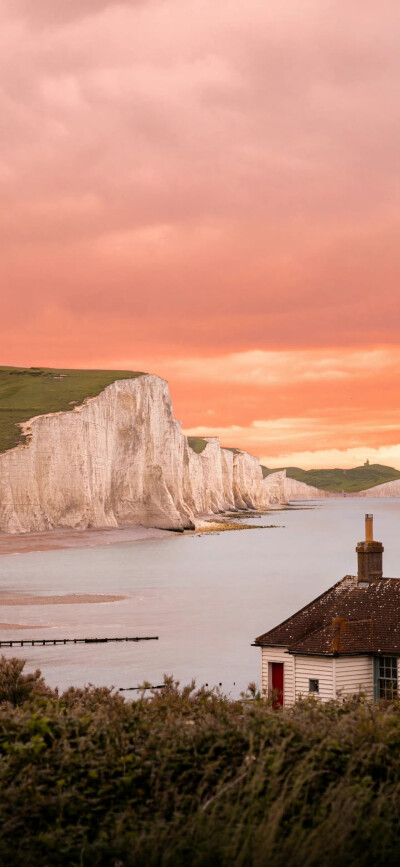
[
  {"x": 338, "y": 677},
  {"x": 355, "y": 674},
  {"x": 278, "y": 654},
  {"x": 319, "y": 667}
]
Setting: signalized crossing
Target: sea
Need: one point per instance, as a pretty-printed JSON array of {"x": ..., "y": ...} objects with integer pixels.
[{"x": 206, "y": 597}]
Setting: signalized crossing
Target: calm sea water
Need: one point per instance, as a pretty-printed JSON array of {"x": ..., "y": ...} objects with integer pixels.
[{"x": 206, "y": 597}]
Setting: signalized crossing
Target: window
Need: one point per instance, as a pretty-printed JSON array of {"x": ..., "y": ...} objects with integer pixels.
[
  {"x": 386, "y": 677},
  {"x": 313, "y": 685}
]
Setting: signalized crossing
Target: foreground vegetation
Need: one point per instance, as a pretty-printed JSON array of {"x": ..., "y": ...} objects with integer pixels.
[
  {"x": 29, "y": 391},
  {"x": 186, "y": 777},
  {"x": 337, "y": 480}
]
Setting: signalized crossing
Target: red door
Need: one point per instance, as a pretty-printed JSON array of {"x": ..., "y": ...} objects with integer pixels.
[{"x": 277, "y": 682}]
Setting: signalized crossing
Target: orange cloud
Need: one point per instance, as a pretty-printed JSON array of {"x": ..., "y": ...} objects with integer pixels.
[
  {"x": 308, "y": 440},
  {"x": 273, "y": 367},
  {"x": 206, "y": 190}
]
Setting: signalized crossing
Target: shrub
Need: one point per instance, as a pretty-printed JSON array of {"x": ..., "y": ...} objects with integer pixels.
[
  {"x": 187, "y": 777},
  {"x": 16, "y": 687}
]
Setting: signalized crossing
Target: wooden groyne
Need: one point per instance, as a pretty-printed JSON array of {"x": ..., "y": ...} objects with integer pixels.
[
  {"x": 41, "y": 642},
  {"x": 142, "y": 688}
]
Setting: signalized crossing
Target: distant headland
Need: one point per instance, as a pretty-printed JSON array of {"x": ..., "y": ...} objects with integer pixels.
[{"x": 342, "y": 481}]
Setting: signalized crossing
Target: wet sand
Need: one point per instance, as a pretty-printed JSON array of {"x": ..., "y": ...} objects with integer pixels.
[
  {"x": 7, "y": 598},
  {"x": 23, "y": 626},
  {"x": 24, "y": 543}
]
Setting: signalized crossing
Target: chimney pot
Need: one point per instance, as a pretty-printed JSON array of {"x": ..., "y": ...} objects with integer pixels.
[{"x": 369, "y": 528}]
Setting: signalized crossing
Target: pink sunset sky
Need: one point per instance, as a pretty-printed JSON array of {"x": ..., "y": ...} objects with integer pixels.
[{"x": 209, "y": 190}]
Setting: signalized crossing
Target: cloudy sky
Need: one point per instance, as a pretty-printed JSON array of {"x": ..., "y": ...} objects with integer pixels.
[{"x": 209, "y": 190}]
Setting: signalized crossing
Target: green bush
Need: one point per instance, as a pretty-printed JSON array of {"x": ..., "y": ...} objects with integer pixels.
[
  {"x": 15, "y": 687},
  {"x": 186, "y": 777}
]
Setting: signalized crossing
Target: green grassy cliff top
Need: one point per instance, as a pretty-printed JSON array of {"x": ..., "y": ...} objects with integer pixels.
[
  {"x": 29, "y": 391},
  {"x": 198, "y": 444}
]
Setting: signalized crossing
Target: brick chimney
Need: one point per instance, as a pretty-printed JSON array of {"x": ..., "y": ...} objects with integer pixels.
[{"x": 369, "y": 555}]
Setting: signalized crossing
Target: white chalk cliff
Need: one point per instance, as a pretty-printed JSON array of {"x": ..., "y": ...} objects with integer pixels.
[
  {"x": 294, "y": 490},
  {"x": 291, "y": 489},
  {"x": 121, "y": 459},
  {"x": 387, "y": 489}
]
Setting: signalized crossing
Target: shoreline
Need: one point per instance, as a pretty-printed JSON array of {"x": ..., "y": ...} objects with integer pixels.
[
  {"x": 54, "y": 540},
  {"x": 95, "y": 537}
]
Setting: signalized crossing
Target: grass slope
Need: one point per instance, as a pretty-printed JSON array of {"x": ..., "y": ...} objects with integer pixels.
[
  {"x": 191, "y": 779},
  {"x": 198, "y": 444},
  {"x": 29, "y": 391},
  {"x": 337, "y": 480}
]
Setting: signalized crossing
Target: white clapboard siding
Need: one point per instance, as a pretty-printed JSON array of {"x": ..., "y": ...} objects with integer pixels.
[
  {"x": 318, "y": 667},
  {"x": 278, "y": 654},
  {"x": 355, "y": 674},
  {"x": 338, "y": 677}
]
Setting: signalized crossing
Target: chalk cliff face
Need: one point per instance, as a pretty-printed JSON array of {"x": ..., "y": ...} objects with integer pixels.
[
  {"x": 120, "y": 459},
  {"x": 275, "y": 487},
  {"x": 388, "y": 489},
  {"x": 294, "y": 490}
]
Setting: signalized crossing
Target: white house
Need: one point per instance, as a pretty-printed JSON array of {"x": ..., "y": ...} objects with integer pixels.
[{"x": 344, "y": 642}]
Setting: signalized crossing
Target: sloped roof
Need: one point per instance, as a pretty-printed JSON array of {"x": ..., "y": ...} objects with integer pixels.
[{"x": 346, "y": 619}]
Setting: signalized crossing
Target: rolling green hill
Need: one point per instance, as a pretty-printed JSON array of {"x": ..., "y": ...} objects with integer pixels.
[
  {"x": 338, "y": 480},
  {"x": 29, "y": 391}
]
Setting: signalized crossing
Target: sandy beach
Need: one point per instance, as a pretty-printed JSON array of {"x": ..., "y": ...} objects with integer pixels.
[
  {"x": 7, "y": 598},
  {"x": 28, "y": 599},
  {"x": 25, "y": 543}
]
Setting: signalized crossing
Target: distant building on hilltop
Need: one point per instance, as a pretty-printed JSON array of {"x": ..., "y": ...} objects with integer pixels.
[{"x": 344, "y": 642}]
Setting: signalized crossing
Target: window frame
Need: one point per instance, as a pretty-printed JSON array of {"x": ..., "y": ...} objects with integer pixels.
[
  {"x": 314, "y": 680},
  {"x": 386, "y": 678}
]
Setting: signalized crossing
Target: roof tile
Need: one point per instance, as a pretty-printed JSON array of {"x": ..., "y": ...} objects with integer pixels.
[{"x": 345, "y": 619}]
